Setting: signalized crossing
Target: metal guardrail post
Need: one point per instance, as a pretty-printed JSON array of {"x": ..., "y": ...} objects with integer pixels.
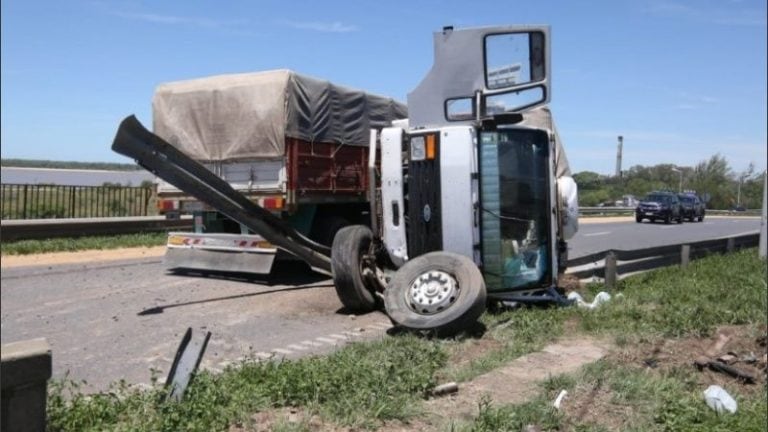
[
  {"x": 730, "y": 245},
  {"x": 24, "y": 204},
  {"x": 610, "y": 270},
  {"x": 763, "y": 221},
  {"x": 685, "y": 255}
]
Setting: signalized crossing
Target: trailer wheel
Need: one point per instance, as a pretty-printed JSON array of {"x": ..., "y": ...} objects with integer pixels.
[
  {"x": 349, "y": 246},
  {"x": 438, "y": 291}
]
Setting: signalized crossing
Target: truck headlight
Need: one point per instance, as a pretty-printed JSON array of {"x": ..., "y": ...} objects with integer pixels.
[{"x": 418, "y": 149}]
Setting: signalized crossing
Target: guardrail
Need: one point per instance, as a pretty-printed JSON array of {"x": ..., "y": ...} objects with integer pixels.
[
  {"x": 52, "y": 228},
  {"x": 616, "y": 211},
  {"x": 612, "y": 264}
]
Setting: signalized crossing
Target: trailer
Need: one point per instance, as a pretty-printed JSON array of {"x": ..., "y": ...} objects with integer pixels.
[
  {"x": 469, "y": 201},
  {"x": 293, "y": 144}
]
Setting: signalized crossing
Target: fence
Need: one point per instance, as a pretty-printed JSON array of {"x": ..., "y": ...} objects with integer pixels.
[
  {"x": 26, "y": 201},
  {"x": 612, "y": 264}
]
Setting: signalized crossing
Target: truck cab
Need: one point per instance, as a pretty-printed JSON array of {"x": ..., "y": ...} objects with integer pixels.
[{"x": 476, "y": 198}]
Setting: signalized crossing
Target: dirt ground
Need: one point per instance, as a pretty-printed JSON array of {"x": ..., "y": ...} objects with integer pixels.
[
  {"x": 518, "y": 381},
  {"x": 525, "y": 372},
  {"x": 594, "y": 405},
  {"x": 55, "y": 258}
]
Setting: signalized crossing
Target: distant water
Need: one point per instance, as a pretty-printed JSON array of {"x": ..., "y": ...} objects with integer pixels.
[{"x": 72, "y": 177}]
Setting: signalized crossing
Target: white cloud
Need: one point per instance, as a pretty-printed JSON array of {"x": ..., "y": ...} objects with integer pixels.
[
  {"x": 173, "y": 19},
  {"x": 325, "y": 27}
]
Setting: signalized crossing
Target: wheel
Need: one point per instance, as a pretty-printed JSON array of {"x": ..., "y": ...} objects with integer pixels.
[
  {"x": 349, "y": 246},
  {"x": 680, "y": 219},
  {"x": 701, "y": 218},
  {"x": 638, "y": 219},
  {"x": 667, "y": 219},
  {"x": 439, "y": 291}
]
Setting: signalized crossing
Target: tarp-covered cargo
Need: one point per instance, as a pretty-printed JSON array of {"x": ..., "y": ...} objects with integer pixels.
[
  {"x": 542, "y": 118},
  {"x": 249, "y": 116}
]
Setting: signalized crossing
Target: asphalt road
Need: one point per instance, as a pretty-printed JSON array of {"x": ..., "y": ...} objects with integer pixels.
[
  {"x": 627, "y": 235},
  {"x": 119, "y": 320}
]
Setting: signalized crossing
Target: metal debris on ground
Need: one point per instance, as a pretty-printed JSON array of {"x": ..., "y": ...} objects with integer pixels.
[
  {"x": 185, "y": 364},
  {"x": 718, "y": 366},
  {"x": 446, "y": 388}
]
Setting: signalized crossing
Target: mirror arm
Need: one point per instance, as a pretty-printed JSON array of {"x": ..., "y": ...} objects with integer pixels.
[{"x": 478, "y": 101}]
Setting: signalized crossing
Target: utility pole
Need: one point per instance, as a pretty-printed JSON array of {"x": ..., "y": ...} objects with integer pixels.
[
  {"x": 618, "y": 156},
  {"x": 738, "y": 191}
]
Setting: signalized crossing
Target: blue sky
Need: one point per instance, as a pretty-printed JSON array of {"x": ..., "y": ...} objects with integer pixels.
[{"x": 680, "y": 80}]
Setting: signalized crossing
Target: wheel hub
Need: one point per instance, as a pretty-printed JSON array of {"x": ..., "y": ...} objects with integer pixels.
[{"x": 432, "y": 292}]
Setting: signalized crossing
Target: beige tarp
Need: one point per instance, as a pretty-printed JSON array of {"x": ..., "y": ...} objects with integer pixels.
[
  {"x": 542, "y": 118},
  {"x": 248, "y": 116}
]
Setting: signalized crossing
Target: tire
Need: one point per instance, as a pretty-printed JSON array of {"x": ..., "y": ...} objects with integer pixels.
[
  {"x": 667, "y": 219},
  {"x": 638, "y": 219},
  {"x": 464, "y": 301},
  {"x": 349, "y": 246},
  {"x": 680, "y": 219}
]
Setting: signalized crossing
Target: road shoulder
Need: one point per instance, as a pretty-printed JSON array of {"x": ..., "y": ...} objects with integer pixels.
[{"x": 56, "y": 258}]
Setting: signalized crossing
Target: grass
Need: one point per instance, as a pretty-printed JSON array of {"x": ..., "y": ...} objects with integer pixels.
[
  {"x": 27, "y": 247},
  {"x": 367, "y": 384},
  {"x": 671, "y": 302},
  {"x": 358, "y": 386}
]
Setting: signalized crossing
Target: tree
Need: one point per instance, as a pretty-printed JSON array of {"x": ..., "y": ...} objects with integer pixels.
[
  {"x": 714, "y": 177},
  {"x": 587, "y": 180}
]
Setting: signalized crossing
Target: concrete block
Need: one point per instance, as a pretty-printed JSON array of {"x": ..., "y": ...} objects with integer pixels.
[{"x": 25, "y": 368}]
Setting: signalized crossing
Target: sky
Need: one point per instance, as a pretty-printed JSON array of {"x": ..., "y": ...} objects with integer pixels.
[{"x": 680, "y": 80}]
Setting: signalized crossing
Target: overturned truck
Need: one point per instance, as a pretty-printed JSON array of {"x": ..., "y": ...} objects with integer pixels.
[{"x": 467, "y": 201}]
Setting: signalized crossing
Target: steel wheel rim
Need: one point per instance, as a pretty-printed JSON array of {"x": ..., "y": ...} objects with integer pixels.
[{"x": 432, "y": 292}]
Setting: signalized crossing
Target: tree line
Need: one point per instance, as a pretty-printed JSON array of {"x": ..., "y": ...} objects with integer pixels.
[
  {"x": 712, "y": 178},
  {"x": 34, "y": 163}
]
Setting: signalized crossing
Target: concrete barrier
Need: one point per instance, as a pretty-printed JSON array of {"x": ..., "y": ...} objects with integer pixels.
[{"x": 25, "y": 368}]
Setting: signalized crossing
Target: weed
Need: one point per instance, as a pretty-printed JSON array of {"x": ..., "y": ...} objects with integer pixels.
[
  {"x": 359, "y": 386},
  {"x": 364, "y": 384},
  {"x": 27, "y": 247}
]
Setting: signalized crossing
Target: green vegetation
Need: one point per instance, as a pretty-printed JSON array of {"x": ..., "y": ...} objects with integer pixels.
[
  {"x": 34, "y": 163},
  {"x": 713, "y": 177},
  {"x": 358, "y": 386},
  {"x": 639, "y": 402},
  {"x": 27, "y": 247},
  {"x": 365, "y": 385},
  {"x": 50, "y": 201}
]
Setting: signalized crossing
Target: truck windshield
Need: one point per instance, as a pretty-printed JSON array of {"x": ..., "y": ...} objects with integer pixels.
[{"x": 515, "y": 208}]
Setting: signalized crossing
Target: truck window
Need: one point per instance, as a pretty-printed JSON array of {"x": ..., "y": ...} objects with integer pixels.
[{"x": 515, "y": 218}]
